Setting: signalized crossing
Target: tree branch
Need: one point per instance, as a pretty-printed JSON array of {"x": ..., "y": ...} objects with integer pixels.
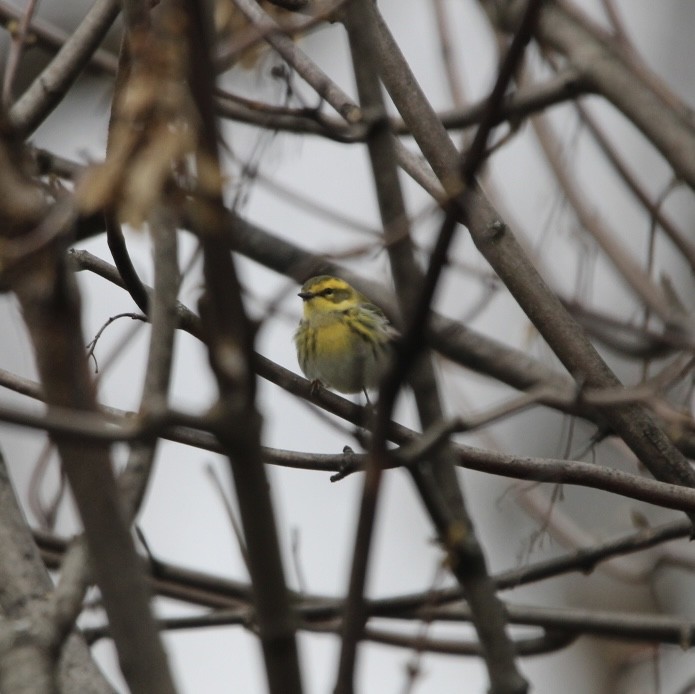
[{"x": 49, "y": 88}]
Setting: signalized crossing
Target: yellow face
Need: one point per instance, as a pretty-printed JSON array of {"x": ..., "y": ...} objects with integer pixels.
[{"x": 325, "y": 294}]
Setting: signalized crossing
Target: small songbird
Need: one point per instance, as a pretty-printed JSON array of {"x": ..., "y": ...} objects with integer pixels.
[{"x": 343, "y": 340}]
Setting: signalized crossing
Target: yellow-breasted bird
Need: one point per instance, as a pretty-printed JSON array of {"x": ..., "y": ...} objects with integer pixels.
[{"x": 343, "y": 340}]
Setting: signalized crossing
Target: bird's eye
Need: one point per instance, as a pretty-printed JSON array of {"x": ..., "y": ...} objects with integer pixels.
[{"x": 327, "y": 292}]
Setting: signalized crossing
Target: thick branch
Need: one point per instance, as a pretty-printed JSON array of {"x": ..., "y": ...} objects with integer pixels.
[
  {"x": 24, "y": 583},
  {"x": 229, "y": 337},
  {"x": 51, "y": 309}
]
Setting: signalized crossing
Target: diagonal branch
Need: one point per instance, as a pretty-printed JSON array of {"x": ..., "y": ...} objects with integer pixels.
[
  {"x": 613, "y": 73},
  {"x": 628, "y": 267},
  {"x": 496, "y": 242},
  {"x": 49, "y": 88}
]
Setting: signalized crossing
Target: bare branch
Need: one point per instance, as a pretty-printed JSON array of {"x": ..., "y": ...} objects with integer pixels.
[
  {"x": 634, "y": 275},
  {"x": 497, "y": 244},
  {"x": 52, "y": 37},
  {"x": 48, "y": 89},
  {"x": 229, "y": 338},
  {"x": 207, "y": 590},
  {"x": 609, "y": 69},
  {"x": 19, "y": 38},
  {"x": 51, "y": 310},
  {"x": 25, "y": 583}
]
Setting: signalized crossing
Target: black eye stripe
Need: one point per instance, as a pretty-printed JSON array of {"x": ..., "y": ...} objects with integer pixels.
[{"x": 333, "y": 294}]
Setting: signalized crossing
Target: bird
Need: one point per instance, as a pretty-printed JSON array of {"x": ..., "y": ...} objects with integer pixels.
[{"x": 344, "y": 341}]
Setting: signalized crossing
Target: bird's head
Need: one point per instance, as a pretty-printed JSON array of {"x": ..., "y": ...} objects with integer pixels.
[{"x": 324, "y": 294}]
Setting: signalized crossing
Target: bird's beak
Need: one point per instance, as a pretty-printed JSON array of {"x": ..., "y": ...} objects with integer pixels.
[{"x": 305, "y": 295}]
